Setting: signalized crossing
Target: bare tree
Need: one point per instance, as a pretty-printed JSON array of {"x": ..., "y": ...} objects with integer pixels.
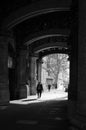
[{"x": 57, "y": 63}]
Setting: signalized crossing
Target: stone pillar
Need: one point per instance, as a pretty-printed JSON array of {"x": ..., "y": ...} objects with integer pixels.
[
  {"x": 79, "y": 120},
  {"x": 82, "y": 59},
  {"x": 21, "y": 71},
  {"x": 39, "y": 70},
  {"x": 33, "y": 75},
  {"x": 72, "y": 89},
  {"x": 4, "y": 81},
  {"x": 28, "y": 71}
]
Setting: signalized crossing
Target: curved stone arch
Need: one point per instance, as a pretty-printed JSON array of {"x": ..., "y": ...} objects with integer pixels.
[
  {"x": 35, "y": 9},
  {"x": 42, "y": 37},
  {"x": 45, "y": 34},
  {"x": 51, "y": 45},
  {"x": 49, "y": 34},
  {"x": 54, "y": 52}
]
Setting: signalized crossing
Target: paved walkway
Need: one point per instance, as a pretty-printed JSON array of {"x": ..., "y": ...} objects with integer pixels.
[
  {"x": 52, "y": 95},
  {"x": 47, "y": 113}
]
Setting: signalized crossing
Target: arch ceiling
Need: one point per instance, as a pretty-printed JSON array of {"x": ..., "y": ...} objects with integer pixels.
[
  {"x": 34, "y": 9},
  {"x": 32, "y": 23},
  {"x": 40, "y": 27}
]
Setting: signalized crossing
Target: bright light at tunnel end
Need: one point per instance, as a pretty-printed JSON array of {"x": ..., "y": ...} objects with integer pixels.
[{"x": 46, "y": 96}]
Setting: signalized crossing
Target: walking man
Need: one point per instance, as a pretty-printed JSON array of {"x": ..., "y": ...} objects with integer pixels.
[
  {"x": 39, "y": 89},
  {"x": 49, "y": 87}
]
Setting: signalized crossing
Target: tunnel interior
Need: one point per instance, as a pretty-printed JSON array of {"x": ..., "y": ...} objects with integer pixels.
[{"x": 40, "y": 36}]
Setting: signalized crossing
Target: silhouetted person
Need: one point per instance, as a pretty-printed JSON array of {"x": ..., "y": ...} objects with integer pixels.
[
  {"x": 55, "y": 86},
  {"x": 49, "y": 87},
  {"x": 39, "y": 89}
]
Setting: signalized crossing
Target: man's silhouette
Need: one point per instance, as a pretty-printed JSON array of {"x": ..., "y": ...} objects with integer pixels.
[
  {"x": 39, "y": 89},
  {"x": 49, "y": 87}
]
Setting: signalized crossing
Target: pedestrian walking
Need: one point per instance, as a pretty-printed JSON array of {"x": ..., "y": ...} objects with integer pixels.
[
  {"x": 56, "y": 86},
  {"x": 49, "y": 87},
  {"x": 39, "y": 89}
]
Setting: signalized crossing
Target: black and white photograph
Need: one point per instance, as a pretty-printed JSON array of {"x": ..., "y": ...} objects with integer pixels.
[{"x": 43, "y": 65}]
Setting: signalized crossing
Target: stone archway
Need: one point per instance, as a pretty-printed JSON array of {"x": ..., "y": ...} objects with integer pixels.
[{"x": 35, "y": 9}]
